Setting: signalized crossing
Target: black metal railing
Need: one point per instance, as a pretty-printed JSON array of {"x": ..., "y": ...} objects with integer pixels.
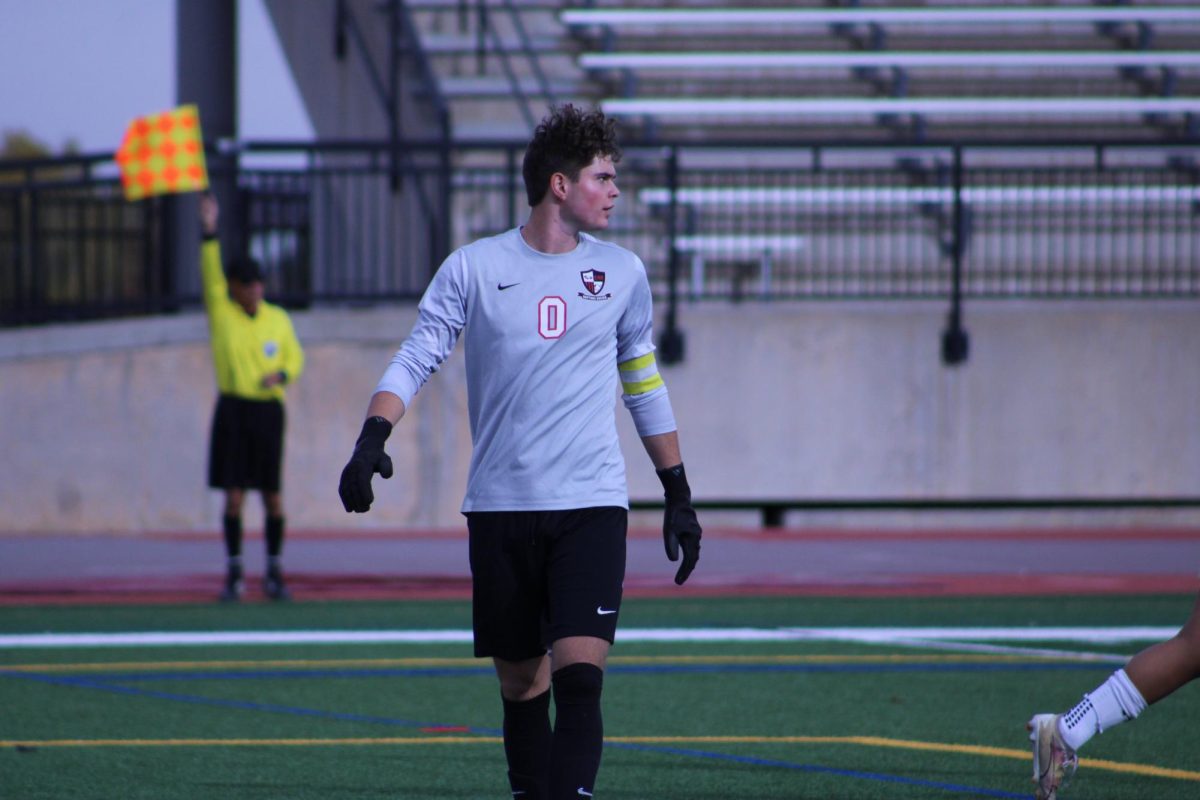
[
  {"x": 72, "y": 248},
  {"x": 712, "y": 222}
]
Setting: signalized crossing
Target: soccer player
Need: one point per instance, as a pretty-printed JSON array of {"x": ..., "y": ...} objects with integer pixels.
[
  {"x": 1149, "y": 676},
  {"x": 552, "y": 318},
  {"x": 255, "y": 354}
]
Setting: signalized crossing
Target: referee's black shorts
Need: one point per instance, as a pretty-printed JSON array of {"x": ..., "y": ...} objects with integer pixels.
[
  {"x": 540, "y": 576},
  {"x": 246, "y": 447}
]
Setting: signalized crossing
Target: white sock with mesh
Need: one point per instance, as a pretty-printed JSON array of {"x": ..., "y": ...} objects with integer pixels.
[{"x": 1115, "y": 701}]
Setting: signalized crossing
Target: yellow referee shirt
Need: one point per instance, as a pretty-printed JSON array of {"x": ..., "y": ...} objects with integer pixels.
[{"x": 246, "y": 349}]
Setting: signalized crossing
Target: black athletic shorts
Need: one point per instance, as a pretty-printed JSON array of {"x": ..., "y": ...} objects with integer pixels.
[
  {"x": 246, "y": 448},
  {"x": 540, "y": 576}
]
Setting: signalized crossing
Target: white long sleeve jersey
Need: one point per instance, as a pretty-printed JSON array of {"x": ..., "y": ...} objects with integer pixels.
[{"x": 544, "y": 335}]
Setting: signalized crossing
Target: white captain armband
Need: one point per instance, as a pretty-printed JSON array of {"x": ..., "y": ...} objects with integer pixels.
[{"x": 645, "y": 395}]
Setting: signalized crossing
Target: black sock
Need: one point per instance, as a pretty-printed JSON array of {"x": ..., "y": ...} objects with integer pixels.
[
  {"x": 527, "y": 746},
  {"x": 578, "y": 730},
  {"x": 274, "y": 536},
  {"x": 233, "y": 536}
]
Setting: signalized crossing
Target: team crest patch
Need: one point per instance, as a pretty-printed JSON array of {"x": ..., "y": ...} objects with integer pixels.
[
  {"x": 270, "y": 349},
  {"x": 593, "y": 281}
]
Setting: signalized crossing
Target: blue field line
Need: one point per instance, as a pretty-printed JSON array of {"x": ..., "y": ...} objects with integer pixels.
[
  {"x": 241, "y": 705},
  {"x": 244, "y": 705},
  {"x": 861, "y": 668},
  {"x": 846, "y": 773},
  {"x": 254, "y": 674}
]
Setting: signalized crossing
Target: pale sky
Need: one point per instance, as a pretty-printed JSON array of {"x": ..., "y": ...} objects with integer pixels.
[{"x": 82, "y": 69}]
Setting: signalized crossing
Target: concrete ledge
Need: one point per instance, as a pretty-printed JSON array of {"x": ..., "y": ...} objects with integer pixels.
[
  {"x": 375, "y": 323},
  {"x": 106, "y": 424}
]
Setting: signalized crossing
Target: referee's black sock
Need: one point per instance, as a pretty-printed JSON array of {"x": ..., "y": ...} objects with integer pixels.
[
  {"x": 527, "y": 746},
  {"x": 233, "y": 537},
  {"x": 274, "y": 535},
  {"x": 578, "y": 730}
]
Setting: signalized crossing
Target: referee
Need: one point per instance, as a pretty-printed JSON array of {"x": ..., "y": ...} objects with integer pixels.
[
  {"x": 552, "y": 319},
  {"x": 255, "y": 355}
]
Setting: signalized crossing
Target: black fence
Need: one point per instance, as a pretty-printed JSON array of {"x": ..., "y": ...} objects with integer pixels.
[
  {"x": 70, "y": 247},
  {"x": 366, "y": 221}
]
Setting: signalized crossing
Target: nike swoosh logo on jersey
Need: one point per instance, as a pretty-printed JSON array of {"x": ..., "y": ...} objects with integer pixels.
[
  {"x": 503, "y": 286},
  {"x": 601, "y": 610}
]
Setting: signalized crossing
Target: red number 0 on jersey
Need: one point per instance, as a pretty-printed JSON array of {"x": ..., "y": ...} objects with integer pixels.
[{"x": 552, "y": 317}]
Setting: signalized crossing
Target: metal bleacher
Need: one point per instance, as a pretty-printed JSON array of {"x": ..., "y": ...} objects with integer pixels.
[
  {"x": 787, "y": 150},
  {"x": 855, "y": 71}
]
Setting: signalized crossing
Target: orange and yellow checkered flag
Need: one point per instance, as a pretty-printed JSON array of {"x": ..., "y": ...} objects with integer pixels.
[{"x": 163, "y": 154}]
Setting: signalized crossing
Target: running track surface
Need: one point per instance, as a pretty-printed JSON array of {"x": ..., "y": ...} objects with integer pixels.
[{"x": 187, "y": 567}]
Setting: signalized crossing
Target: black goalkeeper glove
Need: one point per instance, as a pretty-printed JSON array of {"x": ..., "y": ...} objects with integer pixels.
[
  {"x": 367, "y": 459},
  {"x": 681, "y": 529}
]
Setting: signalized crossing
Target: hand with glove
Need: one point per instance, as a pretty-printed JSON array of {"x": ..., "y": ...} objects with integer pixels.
[
  {"x": 681, "y": 529},
  {"x": 367, "y": 459}
]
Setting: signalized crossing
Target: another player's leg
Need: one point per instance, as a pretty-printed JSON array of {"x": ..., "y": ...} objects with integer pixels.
[
  {"x": 231, "y": 522},
  {"x": 273, "y": 584},
  {"x": 1054, "y": 761},
  {"x": 1149, "y": 676},
  {"x": 1160, "y": 669}
]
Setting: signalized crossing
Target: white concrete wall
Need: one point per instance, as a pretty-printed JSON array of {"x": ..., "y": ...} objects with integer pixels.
[
  {"x": 338, "y": 94},
  {"x": 104, "y": 426}
]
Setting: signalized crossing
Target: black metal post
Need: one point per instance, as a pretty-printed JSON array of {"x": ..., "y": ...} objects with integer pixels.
[
  {"x": 37, "y": 276},
  {"x": 445, "y": 210},
  {"x": 481, "y": 28},
  {"x": 956, "y": 344},
  {"x": 394, "y": 91},
  {"x": 671, "y": 344},
  {"x": 339, "y": 30},
  {"x": 511, "y": 185},
  {"x": 21, "y": 293}
]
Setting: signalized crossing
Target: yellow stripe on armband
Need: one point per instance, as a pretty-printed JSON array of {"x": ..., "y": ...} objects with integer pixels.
[
  {"x": 641, "y": 387},
  {"x": 636, "y": 364},
  {"x": 640, "y": 375}
]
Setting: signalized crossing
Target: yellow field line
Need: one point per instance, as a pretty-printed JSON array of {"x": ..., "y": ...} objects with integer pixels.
[
  {"x": 392, "y": 740},
  {"x": 863, "y": 741},
  {"x": 893, "y": 658},
  {"x": 938, "y": 747},
  {"x": 766, "y": 660},
  {"x": 117, "y": 666}
]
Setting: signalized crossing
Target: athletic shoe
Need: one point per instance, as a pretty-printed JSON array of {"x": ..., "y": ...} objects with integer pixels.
[
  {"x": 234, "y": 586},
  {"x": 274, "y": 587},
  {"x": 1054, "y": 761}
]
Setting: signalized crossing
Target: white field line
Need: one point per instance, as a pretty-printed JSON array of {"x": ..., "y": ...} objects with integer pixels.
[
  {"x": 1091, "y": 635},
  {"x": 1010, "y": 650},
  {"x": 884, "y": 636}
]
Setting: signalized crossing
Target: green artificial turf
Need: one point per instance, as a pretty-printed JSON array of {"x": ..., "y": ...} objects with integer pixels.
[{"x": 310, "y": 721}]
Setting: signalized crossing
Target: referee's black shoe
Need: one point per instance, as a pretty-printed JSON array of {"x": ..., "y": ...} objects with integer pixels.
[
  {"x": 273, "y": 585},
  {"x": 234, "y": 585}
]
